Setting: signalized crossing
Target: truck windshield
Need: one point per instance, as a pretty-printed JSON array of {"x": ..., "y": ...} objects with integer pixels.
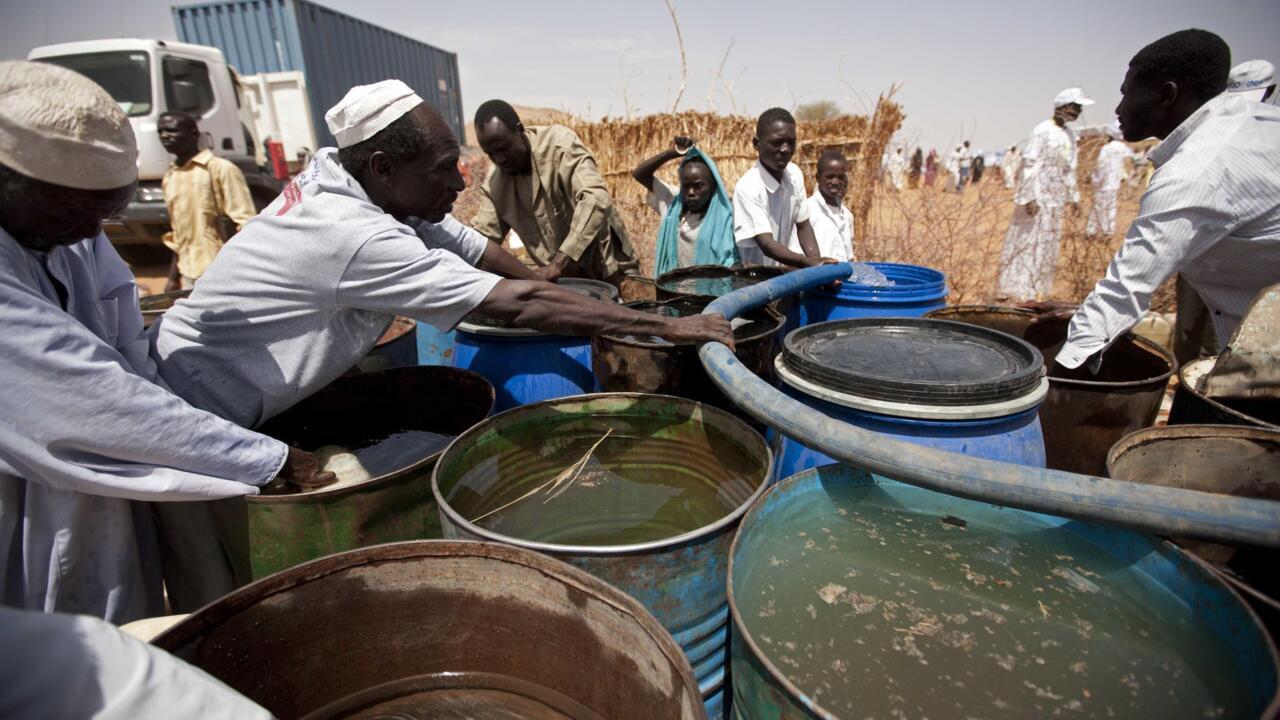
[{"x": 125, "y": 75}]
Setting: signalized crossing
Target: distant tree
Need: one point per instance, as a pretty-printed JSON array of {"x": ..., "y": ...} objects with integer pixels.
[{"x": 817, "y": 110}]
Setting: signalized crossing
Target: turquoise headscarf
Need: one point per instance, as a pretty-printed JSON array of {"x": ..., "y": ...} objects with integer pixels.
[{"x": 715, "y": 235}]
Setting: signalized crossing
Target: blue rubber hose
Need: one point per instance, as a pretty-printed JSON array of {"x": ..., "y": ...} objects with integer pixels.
[{"x": 1149, "y": 508}]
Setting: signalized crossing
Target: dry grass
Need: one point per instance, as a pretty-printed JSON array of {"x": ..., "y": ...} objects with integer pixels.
[{"x": 959, "y": 234}]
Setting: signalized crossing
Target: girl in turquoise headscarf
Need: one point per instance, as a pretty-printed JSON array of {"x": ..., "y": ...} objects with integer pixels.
[{"x": 697, "y": 222}]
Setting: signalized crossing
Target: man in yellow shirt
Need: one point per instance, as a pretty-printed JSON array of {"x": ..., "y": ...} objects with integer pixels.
[
  {"x": 545, "y": 185},
  {"x": 198, "y": 189}
]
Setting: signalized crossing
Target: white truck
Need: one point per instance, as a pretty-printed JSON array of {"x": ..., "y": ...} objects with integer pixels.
[{"x": 151, "y": 77}]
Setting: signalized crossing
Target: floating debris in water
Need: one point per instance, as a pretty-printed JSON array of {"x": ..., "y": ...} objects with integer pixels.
[{"x": 557, "y": 484}]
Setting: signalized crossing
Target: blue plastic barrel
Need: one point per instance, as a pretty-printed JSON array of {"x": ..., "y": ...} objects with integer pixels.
[
  {"x": 916, "y": 291},
  {"x": 435, "y": 347},
  {"x": 680, "y": 577},
  {"x": 527, "y": 366},
  {"x": 855, "y": 595},
  {"x": 951, "y": 386}
]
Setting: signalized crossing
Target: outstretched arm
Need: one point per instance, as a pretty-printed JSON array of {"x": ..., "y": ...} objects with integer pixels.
[{"x": 553, "y": 309}]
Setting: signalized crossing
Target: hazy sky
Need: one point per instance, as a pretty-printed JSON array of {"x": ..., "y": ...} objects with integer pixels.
[{"x": 986, "y": 70}]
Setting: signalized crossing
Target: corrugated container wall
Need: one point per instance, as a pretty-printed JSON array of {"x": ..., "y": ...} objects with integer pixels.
[{"x": 334, "y": 51}]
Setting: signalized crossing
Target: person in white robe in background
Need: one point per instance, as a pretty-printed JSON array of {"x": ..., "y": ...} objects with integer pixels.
[
  {"x": 1110, "y": 171},
  {"x": 1046, "y": 188}
]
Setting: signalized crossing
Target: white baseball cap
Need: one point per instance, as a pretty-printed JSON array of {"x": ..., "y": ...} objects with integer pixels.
[
  {"x": 1251, "y": 79},
  {"x": 1071, "y": 96},
  {"x": 367, "y": 109}
]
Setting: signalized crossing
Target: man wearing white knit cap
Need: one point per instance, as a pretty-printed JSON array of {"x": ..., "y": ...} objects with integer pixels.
[
  {"x": 1046, "y": 188},
  {"x": 85, "y": 429},
  {"x": 361, "y": 235}
]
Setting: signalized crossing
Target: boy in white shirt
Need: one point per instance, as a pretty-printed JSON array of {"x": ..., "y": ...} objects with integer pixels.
[
  {"x": 768, "y": 202},
  {"x": 831, "y": 220}
]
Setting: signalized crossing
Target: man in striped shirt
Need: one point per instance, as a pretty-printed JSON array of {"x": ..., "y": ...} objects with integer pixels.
[{"x": 1212, "y": 210}]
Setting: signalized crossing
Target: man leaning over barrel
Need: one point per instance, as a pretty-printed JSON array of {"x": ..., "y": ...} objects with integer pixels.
[
  {"x": 1212, "y": 209},
  {"x": 361, "y": 235}
]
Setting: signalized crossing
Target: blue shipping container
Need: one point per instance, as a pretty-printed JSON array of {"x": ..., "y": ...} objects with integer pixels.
[{"x": 334, "y": 51}]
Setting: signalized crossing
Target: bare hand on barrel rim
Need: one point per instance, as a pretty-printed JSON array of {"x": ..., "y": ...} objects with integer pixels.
[
  {"x": 701, "y": 328},
  {"x": 303, "y": 471}
]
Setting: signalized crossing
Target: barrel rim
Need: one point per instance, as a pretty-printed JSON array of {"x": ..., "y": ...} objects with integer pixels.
[
  {"x": 916, "y": 411},
  {"x": 376, "y": 483},
  {"x": 1197, "y": 431},
  {"x": 399, "y": 326},
  {"x": 609, "y": 290},
  {"x": 779, "y": 321},
  {"x": 239, "y": 600},
  {"x": 1190, "y": 387},
  {"x": 783, "y": 486},
  {"x": 605, "y": 550},
  {"x": 758, "y": 272},
  {"x": 935, "y": 392},
  {"x": 927, "y": 288},
  {"x": 1147, "y": 344}
]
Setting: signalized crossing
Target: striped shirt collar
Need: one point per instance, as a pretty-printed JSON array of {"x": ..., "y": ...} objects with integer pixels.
[{"x": 1161, "y": 153}]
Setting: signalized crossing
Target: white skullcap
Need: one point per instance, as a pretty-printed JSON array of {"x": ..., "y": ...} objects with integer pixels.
[
  {"x": 367, "y": 109},
  {"x": 1071, "y": 96},
  {"x": 59, "y": 126}
]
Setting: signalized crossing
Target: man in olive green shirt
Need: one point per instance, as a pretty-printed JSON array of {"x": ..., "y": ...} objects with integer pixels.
[{"x": 544, "y": 184}]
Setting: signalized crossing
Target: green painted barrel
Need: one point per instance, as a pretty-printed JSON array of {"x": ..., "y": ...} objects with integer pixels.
[
  {"x": 284, "y": 530},
  {"x": 642, "y": 491},
  {"x": 858, "y": 596}
]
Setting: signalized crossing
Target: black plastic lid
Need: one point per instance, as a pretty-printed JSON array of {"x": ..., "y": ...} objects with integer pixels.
[{"x": 914, "y": 360}]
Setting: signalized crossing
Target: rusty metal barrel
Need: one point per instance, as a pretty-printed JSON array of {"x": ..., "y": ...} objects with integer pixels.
[
  {"x": 1083, "y": 415},
  {"x": 440, "y": 629},
  {"x": 650, "y": 507},
  {"x": 710, "y": 281},
  {"x": 288, "y": 529},
  {"x": 626, "y": 363},
  {"x": 1192, "y": 407}
]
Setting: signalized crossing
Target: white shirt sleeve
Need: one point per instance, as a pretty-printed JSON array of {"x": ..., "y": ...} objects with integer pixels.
[
  {"x": 74, "y": 416},
  {"x": 1029, "y": 179},
  {"x": 750, "y": 214},
  {"x": 395, "y": 273},
  {"x": 1177, "y": 221},
  {"x": 798, "y": 198},
  {"x": 451, "y": 235},
  {"x": 660, "y": 197},
  {"x": 73, "y": 666}
]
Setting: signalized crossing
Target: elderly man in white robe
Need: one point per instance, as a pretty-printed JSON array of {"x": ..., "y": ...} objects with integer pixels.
[
  {"x": 1046, "y": 189},
  {"x": 85, "y": 431}
]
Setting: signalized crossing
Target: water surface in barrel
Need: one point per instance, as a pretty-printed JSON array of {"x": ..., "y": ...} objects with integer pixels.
[
  {"x": 708, "y": 286},
  {"x": 379, "y": 457},
  {"x": 876, "y": 610},
  {"x": 608, "y": 487}
]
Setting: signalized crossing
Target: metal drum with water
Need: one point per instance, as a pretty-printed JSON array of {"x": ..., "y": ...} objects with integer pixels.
[
  {"x": 629, "y": 363},
  {"x": 915, "y": 291},
  {"x": 856, "y": 596},
  {"x": 948, "y": 385},
  {"x": 1084, "y": 414},
  {"x": 284, "y": 530},
  {"x": 440, "y": 630},
  {"x": 525, "y": 365},
  {"x": 642, "y": 491},
  {"x": 1193, "y": 407},
  {"x": 710, "y": 281}
]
